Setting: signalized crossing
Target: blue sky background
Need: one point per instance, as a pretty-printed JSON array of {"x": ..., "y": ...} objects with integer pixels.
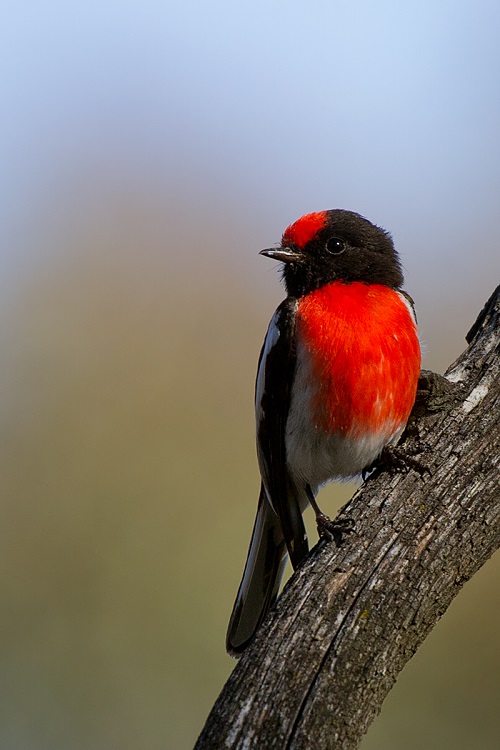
[{"x": 280, "y": 108}]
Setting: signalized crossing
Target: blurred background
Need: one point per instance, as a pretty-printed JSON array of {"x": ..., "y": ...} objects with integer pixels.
[{"x": 148, "y": 151}]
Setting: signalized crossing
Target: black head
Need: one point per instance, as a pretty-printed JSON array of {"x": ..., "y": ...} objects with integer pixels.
[{"x": 336, "y": 245}]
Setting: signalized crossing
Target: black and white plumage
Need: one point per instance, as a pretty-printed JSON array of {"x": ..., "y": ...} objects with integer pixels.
[{"x": 279, "y": 513}]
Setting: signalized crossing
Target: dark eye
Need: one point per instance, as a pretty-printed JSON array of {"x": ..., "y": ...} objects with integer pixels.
[{"x": 335, "y": 245}]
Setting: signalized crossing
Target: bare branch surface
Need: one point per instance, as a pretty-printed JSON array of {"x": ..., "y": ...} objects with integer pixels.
[{"x": 351, "y": 617}]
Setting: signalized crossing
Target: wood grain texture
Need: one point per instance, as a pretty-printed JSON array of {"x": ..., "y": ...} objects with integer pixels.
[{"x": 351, "y": 617}]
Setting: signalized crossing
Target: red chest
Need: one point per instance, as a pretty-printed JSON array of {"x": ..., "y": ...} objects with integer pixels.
[{"x": 364, "y": 355}]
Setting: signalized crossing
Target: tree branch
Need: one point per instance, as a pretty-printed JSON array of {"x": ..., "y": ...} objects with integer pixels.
[{"x": 351, "y": 617}]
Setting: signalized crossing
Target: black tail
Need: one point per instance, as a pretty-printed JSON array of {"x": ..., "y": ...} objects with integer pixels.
[{"x": 264, "y": 568}]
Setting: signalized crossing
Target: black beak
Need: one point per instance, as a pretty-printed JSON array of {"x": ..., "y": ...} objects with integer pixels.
[{"x": 283, "y": 254}]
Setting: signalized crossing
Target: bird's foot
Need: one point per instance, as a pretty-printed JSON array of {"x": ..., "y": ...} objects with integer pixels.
[
  {"x": 397, "y": 460},
  {"x": 333, "y": 531},
  {"x": 434, "y": 393}
]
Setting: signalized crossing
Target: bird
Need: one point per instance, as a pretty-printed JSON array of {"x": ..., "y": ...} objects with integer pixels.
[{"x": 336, "y": 382}]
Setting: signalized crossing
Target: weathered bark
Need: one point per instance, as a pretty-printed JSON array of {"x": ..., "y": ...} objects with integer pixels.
[{"x": 351, "y": 617}]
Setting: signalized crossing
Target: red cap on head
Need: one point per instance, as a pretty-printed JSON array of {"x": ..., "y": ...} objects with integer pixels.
[{"x": 304, "y": 229}]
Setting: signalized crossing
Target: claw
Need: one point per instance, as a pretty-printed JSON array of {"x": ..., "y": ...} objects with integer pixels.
[
  {"x": 395, "y": 459},
  {"x": 333, "y": 531}
]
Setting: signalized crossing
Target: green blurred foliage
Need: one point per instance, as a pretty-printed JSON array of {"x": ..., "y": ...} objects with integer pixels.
[{"x": 129, "y": 484}]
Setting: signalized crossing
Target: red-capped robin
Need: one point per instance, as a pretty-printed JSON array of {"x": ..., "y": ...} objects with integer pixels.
[{"x": 336, "y": 382}]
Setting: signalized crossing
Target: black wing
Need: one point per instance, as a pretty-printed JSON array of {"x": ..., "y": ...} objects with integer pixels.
[{"x": 272, "y": 403}]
